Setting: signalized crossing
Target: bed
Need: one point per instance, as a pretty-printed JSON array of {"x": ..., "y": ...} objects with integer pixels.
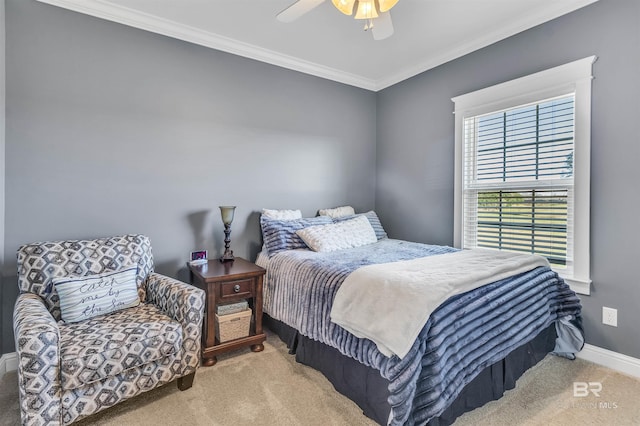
[{"x": 470, "y": 349}]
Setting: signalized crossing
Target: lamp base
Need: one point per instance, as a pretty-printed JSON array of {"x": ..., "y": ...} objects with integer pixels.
[
  {"x": 227, "y": 256},
  {"x": 228, "y": 253}
]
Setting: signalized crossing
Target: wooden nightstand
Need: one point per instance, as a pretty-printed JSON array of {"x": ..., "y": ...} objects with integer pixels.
[{"x": 227, "y": 282}]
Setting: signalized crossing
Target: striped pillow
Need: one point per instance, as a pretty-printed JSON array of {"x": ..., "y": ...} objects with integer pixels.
[
  {"x": 86, "y": 297},
  {"x": 373, "y": 219},
  {"x": 280, "y": 235}
]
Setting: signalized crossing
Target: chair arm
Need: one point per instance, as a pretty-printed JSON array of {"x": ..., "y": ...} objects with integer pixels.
[
  {"x": 38, "y": 349},
  {"x": 185, "y": 304}
]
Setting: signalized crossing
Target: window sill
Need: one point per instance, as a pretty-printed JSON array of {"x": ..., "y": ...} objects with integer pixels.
[{"x": 579, "y": 286}]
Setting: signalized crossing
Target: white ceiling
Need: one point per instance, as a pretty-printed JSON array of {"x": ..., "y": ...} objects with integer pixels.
[{"x": 331, "y": 45}]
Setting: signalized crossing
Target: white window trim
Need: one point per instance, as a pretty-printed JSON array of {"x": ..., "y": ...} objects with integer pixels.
[{"x": 574, "y": 77}]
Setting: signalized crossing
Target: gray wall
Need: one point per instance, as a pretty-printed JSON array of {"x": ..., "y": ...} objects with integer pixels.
[
  {"x": 415, "y": 169},
  {"x": 113, "y": 130}
]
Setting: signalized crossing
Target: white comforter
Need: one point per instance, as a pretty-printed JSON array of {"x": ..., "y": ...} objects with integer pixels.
[{"x": 390, "y": 303}]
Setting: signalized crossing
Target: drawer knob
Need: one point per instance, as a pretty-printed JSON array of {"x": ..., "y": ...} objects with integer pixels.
[{"x": 236, "y": 288}]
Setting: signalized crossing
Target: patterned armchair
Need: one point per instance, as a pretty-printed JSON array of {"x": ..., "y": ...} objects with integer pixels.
[{"x": 68, "y": 371}]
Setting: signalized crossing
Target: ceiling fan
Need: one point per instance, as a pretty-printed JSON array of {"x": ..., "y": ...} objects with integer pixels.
[{"x": 375, "y": 13}]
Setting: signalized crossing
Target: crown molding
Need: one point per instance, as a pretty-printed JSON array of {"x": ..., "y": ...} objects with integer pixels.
[
  {"x": 501, "y": 33},
  {"x": 137, "y": 19}
]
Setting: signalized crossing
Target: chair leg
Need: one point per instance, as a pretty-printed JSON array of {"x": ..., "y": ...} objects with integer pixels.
[{"x": 185, "y": 382}]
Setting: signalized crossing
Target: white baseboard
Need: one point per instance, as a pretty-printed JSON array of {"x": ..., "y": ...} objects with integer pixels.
[
  {"x": 8, "y": 362},
  {"x": 614, "y": 360}
]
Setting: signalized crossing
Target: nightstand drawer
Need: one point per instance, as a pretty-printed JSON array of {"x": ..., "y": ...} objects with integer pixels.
[{"x": 233, "y": 289}]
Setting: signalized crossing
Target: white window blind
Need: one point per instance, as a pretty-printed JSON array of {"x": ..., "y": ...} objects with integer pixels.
[{"x": 518, "y": 180}]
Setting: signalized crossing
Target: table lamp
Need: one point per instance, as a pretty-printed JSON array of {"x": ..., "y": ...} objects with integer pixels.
[{"x": 227, "y": 217}]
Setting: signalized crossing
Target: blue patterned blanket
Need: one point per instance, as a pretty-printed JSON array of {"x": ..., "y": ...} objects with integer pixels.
[{"x": 466, "y": 334}]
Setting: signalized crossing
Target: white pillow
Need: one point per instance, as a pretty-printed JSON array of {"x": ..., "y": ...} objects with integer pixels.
[
  {"x": 337, "y": 212},
  {"x": 86, "y": 297},
  {"x": 339, "y": 235},
  {"x": 282, "y": 214}
]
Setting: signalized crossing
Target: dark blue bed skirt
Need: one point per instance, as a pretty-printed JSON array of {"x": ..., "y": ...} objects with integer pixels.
[{"x": 368, "y": 389}]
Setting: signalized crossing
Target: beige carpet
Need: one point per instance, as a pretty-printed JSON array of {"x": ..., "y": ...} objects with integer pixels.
[{"x": 270, "y": 388}]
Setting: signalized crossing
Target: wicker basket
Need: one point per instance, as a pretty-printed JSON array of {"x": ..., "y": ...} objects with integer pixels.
[
  {"x": 233, "y": 326},
  {"x": 232, "y": 308}
]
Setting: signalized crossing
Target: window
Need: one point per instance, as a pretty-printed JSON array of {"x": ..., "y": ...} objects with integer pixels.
[{"x": 522, "y": 168}]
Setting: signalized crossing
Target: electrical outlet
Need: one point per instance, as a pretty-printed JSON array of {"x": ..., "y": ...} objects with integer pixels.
[{"x": 610, "y": 316}]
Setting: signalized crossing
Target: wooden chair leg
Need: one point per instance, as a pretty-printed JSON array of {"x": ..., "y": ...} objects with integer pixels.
[{"x": 185, "y": 382}]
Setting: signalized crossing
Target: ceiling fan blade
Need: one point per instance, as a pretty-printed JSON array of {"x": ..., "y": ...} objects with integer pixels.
[
  {"x": 382, "y": 26},
  {"x": 297, "y": 9}
]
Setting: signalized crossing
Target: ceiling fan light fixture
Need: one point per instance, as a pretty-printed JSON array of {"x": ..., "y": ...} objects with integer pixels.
[
  {"x": 371, "y": 11},
  {"x": 344, "y": 6},
  {"x": 366, "y": 10},
  {"x": 386, "y": 5}
]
